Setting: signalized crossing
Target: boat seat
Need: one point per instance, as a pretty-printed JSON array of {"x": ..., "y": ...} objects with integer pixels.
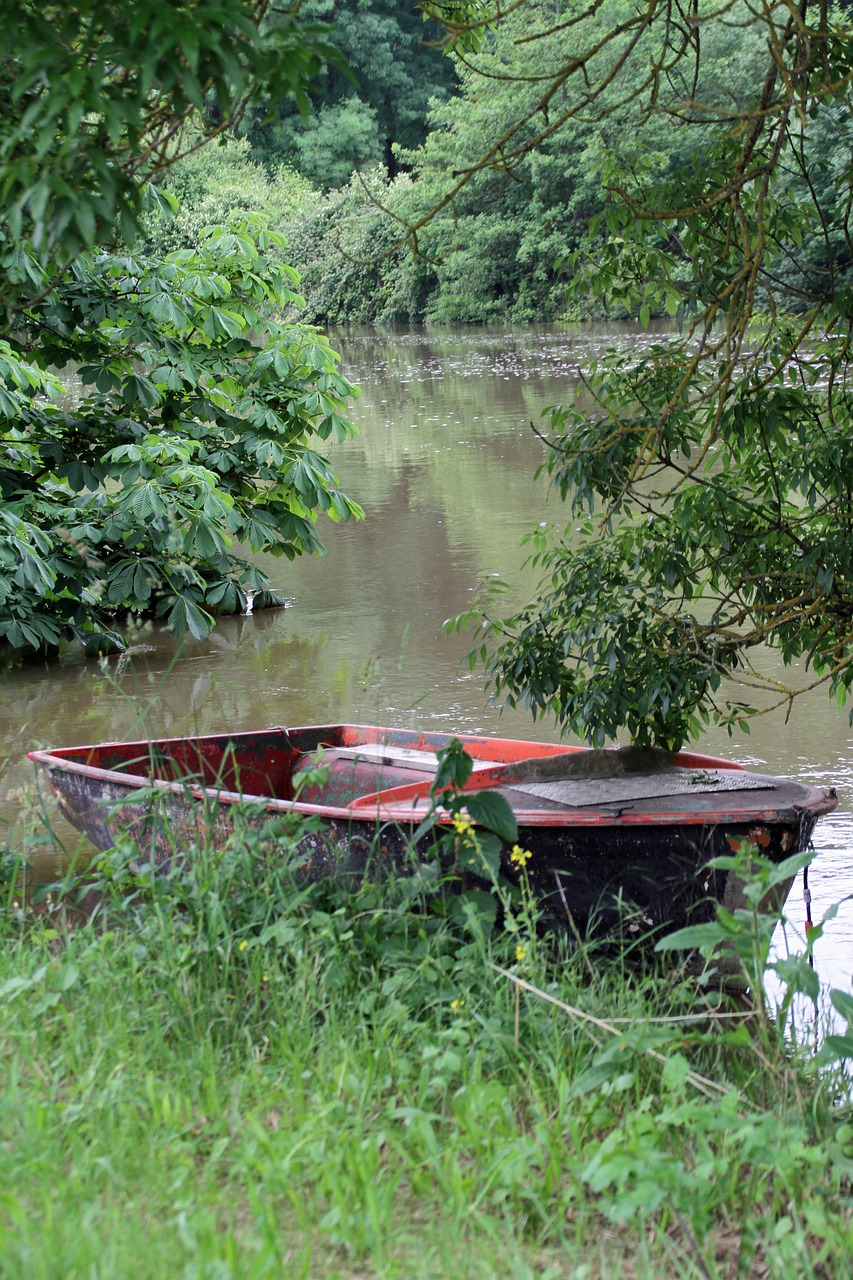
[
  {"x": 381, "y": 753},
  {"x": 353, "y": 772}
]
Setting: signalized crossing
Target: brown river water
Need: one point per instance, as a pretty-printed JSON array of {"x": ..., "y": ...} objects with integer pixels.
[{"x": 444, "y": 468}]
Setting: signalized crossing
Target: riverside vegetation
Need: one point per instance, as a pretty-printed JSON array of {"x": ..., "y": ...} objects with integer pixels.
[{"x": 229, "y": 1073}]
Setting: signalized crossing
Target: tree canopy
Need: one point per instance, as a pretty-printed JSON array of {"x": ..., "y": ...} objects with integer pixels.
[
  {"x": 95, "y": 96},
  {"x": 686, "y": 161},
  {"x": 364, "y": 109},
  {"x": 188, "y": 435},
  {"x": 494, "y": 233},
  {"x": 709, "y": 484}
]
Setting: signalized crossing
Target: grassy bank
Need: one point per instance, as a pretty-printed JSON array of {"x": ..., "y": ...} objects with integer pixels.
[{"x": 225, "y": 1074}]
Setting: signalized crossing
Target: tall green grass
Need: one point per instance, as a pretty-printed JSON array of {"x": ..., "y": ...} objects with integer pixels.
[{"x": 227, "y": 1073}]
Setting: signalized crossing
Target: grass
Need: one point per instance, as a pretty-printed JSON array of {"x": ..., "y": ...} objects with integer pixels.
[{"x": 229, "y": 1074}]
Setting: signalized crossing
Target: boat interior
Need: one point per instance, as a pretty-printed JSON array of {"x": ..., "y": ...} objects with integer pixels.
[
  {"x": 331, "y": 765},
  {"x": 359, "y": 768}
]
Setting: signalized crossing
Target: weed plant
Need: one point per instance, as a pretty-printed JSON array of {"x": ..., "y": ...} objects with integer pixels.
[{"x": 229, "y": 1074}]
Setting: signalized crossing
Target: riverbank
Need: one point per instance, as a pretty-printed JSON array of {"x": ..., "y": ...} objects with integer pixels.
[{"x": 230, "y": 1076}]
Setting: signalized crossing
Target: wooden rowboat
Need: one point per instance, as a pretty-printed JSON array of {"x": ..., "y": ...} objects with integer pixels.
[{"x": 607, "y": 830}]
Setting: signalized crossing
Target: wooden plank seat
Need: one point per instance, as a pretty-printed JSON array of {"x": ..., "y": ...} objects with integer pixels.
[{"x": 351, "y": 772}]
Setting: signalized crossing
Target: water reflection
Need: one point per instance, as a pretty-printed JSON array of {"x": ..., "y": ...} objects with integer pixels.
[{"x": 444, "y": 467}]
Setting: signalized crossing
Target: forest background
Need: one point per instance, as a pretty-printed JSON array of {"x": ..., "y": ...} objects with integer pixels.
[{"x": 386, "y": 137}]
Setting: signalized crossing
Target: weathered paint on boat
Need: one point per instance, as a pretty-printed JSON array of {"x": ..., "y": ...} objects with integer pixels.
[{"x": 598, "y": 845}]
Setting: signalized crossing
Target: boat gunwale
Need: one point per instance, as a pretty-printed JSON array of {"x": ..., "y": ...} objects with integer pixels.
[
  {"x": 816, "y": 801},
  {"x": 185, "y": 787}
]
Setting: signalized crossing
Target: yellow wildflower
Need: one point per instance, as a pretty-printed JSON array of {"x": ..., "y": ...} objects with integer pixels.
[
  {"x": 520, "y": 952},
  {"x": 457, "y": 1005},
  {"x": 462, "y": 825},
  {"x": 520, "y": 856},
  {"x": 243, "y": 945}
]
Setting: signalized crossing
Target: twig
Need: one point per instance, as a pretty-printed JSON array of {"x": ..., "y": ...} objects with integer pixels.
[
  {"x": 573, "y": 925},
  {"x": 704, "y": 1084}
]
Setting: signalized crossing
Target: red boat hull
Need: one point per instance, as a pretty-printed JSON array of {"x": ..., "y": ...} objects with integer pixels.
[{"x": 599, "y": 847}]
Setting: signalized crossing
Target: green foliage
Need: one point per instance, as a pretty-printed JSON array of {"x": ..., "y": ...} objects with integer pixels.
[
  {"x": 275, "y": 1071},
  {"x": 188, "y": 439},
  {"x": 705, "y": 525},
  {"x": 191, "y": 435},
  {"x": 709, "y": 484},
  {"x": 745, "y": 932},
  {"x": 515, "y": 164},
  {"x": 94, "y": 94},
  {"x": 336, "y": 139},
  {"x": 216, "y": 184},
  {"x": 355, "y": 263},
  {"x": 362, "y": 113}
]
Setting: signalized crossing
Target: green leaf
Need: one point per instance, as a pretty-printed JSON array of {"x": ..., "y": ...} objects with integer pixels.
[
  {"x": 835, "y": 1049},
  {"x": 798, "y": 975},
  {"x": 137, "y": 389},
  {"x": 491, "y": 810},
  {"x": 843, "y": 1003},
  {"x": 694, "y": 937},
  {"x": 482, "y": 857},
  {"x": 454, "y": 767},
  {"x": 145, "y": 501},
  {"x": 477, "y": 906},
  {"x": 676, "y": 1070},
  {"x": 186, "y": 615}
]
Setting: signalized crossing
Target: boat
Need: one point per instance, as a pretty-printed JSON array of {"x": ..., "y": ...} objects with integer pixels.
[{"x": 611, "y": 833}]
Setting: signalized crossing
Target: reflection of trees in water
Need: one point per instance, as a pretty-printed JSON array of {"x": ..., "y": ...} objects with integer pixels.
[{"x": 445, "y": 423}]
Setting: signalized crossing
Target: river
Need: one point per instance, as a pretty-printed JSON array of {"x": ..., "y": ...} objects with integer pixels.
[{"x": 444, "y": 467}]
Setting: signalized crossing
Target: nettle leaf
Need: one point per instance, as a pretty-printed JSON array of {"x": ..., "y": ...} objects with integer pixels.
[
  {"x": 493, "y": 811},
  {"x": 477, "y": 908},
  {"x": 482, "y": 856},
  {"x": 454, "y": 767}
]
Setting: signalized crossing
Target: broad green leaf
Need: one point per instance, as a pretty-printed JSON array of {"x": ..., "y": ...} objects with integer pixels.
[
  {"x": 491, "y": 810},
  {"x": 481, "y": 856},
  {"x": 842, "y": 1001},
  {"x": 694, "y": 937},
  {"x": 835, "y": 1049}
]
